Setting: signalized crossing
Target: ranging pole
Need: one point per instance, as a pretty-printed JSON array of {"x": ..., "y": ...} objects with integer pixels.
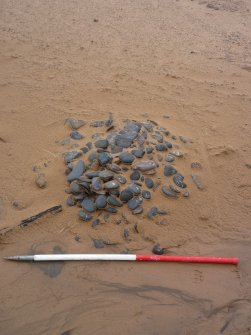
[{"x": 122, "y": 257}]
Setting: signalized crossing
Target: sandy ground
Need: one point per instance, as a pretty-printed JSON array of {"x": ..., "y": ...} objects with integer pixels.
[{"x": 189, "y": 60}]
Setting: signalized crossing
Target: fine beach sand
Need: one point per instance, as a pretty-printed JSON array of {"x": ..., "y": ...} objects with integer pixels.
[{"x": 187, "y": 66}]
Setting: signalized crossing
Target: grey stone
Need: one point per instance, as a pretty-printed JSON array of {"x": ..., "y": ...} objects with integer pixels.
[{"x": 77, "y": 171}]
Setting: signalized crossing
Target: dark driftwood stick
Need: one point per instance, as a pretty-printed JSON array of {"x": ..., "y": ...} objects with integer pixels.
[
  {"x": 26, "y": 222},
  {"x": 52, "y": 210}
]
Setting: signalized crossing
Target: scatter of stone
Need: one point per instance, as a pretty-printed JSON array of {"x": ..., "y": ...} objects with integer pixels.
[{"x": 120, "y": 169}]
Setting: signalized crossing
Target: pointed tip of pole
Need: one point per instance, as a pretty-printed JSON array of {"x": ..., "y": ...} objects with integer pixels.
[
  {"x": 11, "y": 258},
  {"x": 19, "y": 258}
]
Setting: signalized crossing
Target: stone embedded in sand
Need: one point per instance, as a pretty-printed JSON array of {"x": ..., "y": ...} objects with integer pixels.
[
  {"x": 85, "y": 216},
  {"x": 97, "y": 184},
  {"x": 177, "y": 153},
  {"x": 74, "y": 123},
  {"x": 120, "y": 178},
  {"x": 138, "y": 210},
  {"x": 123, "y": 141},
  {"x": 71, "y": 155},
  {"x": 111, "y": 184},
  {"x": 135, "y": 175},
  {"x": 157, "y": 250},
  {"x": 152, "y": 212},
  {"x": 139, "y": 153},
  {"x": 40, "y": 180},
  {"x": 146, "y": 194},
  {"x": 101, "y": 201},
  {"x": 170, "y": 158},
  {"x": 178, "y": 180},
  {"x": 126, "y": 195},
  {"x": 134, "y": 202},
  {"x": 167, "y": 192},
  {"x": 70, "y": 201},
  {"x": 144, "y": 165},
  {"x": 104, "y": 158},
  {"x": 75, "y": 135},
  {"x": 95, "y": 223},
  {"x": 126, "y": 157},
  {"x": 149, "y": 182},
  {"x": 169, "y": 170},
  {"x": 102, "y": 143},
  {"x": 89, "y": 205},
  {"x": 113, "y": 201},
  {"x": 98, "y": 243},
  {"x": 106, "y": 175},
  {"x": 134, "y": 188},
  {"x": 198, "y": 182},
  {"x": 161, "y": 147}
]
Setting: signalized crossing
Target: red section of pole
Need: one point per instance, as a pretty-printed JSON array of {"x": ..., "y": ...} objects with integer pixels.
[{"x": 188, "y": 259}]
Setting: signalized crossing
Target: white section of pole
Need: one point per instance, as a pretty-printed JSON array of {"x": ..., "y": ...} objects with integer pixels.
[{"x": 84, "y": 257}]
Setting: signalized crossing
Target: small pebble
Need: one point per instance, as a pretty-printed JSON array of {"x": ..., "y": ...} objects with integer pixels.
[
  {"x": 113, "y": 201},
  {"x": 178, "y": 180},
  {"x": 104, "y": 158},
  {"x": 126, "y": 157},
  {"x": 149, "y": 182},
  {"x": 167, "y": 192},
  {"x": 74, "y": 123},
  {"x": 40, "y": 180},
  {"x": 135, "y": 175},
  {"x": 101, "y": 201},
  {"x": 161, "y": 147},
  {"x": 149, "y": 150},
  {"x": 170, "y": 158},
  {"x": 146, "y": 194},
  {"x": 126, "y": 233},
  {"x": 98, "y": 243},
  {"x": 111, "y": 184},
  {"x": 186, "y": 194},
  {"x": 137, "y": 210},
  {"x": 157, "y": 250},
  {"x": 71, "y": 155},
  {"x": 95, "y": 223},
  {"x": 196, "y": 165},
  {"x": 134, "y": 202},
  {"x": 89, "y": 145},
  {"x": 153, "y": 212},
  {"x": 134, "y": 188},
  {"x": 177, "y": 153},
  {"x": 169, "y": 170},
  {"x": 70, "y": 201},
  {"x": 77, "y": 238},
  {"x": 126, "y": 195},
  {"x": 102, "y": 143},
  {"x": 160, "y": 158},
  {"x": 118, "y": 221},
  {"x": 84, "y": 149},
  {"x": 75, "y": 135},
  {"x": 75, "y": 188},
  {"x": 139, "y": 153},
  {"x": 168, "y": 144},
  {"x": 89, "y": 205},
  {"x": 183, "y": 139},
  {"x": 85, "y": 216}
]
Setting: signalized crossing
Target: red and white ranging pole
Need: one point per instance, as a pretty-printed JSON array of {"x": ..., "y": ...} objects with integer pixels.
[{"x": 127, "y": 257}]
